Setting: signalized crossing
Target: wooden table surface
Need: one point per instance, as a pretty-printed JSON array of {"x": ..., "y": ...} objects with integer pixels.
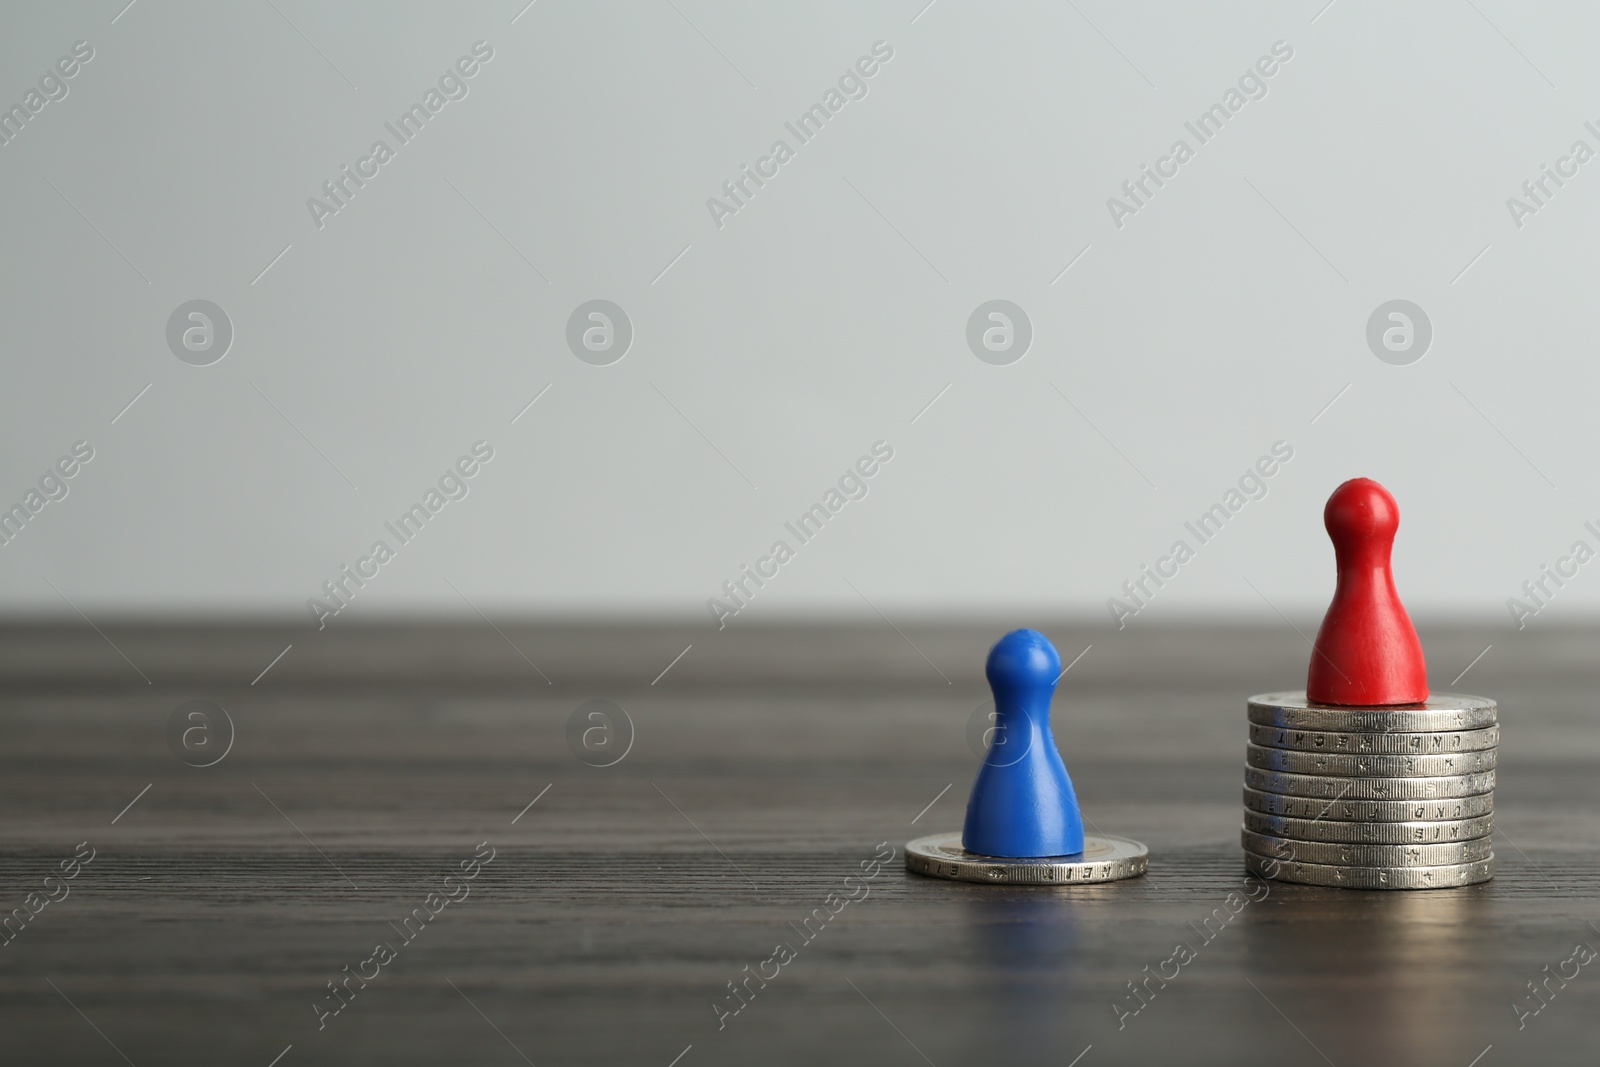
[{"x": 766, "y": 766}]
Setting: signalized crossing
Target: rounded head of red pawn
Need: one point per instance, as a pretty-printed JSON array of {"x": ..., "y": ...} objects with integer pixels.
[
  {"x": 1360, "y": 514},
  {"x": 1366, "y": 653}
]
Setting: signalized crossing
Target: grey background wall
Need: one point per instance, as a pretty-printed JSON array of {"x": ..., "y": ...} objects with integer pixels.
[{"x": 772, "y": 347}]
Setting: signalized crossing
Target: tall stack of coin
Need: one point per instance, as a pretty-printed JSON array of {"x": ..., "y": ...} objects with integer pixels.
[{"x": 1371, "y": 798}]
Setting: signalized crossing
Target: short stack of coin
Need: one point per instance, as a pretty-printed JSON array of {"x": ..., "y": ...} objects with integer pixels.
[{"x": 1371, "y": 798}]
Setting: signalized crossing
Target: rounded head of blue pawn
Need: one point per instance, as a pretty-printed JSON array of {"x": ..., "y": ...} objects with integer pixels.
[{"x": 1023, "y": 662}]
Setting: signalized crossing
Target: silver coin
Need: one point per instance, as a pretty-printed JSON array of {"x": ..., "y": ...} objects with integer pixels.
[
  {"x": 1440, "y": 712},
  {"x": 1359, "y": 855},
  {"x": 1385, "y": 744},
  {"x": 1445, "y": 877},
  {"x": 1370, "y": 833},
  {"x": 1348, "y": 810},
  {"x": 1332, "y": 788},
  {"x": 1351, "y": 765},
  {"x": 1103, "y": 859}
]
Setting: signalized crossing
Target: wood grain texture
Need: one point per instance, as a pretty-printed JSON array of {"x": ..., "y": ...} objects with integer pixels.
[{"x": 766, "y": 764}]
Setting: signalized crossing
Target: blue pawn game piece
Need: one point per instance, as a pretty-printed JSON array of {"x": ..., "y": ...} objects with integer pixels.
[{"x": 1022, "y": 804}]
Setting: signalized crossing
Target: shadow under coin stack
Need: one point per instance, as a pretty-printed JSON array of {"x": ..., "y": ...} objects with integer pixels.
[{"x": 1368, "y": 798}]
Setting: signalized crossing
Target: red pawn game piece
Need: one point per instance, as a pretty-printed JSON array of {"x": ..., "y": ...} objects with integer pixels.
[{"x": 1367, "y": 653}]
